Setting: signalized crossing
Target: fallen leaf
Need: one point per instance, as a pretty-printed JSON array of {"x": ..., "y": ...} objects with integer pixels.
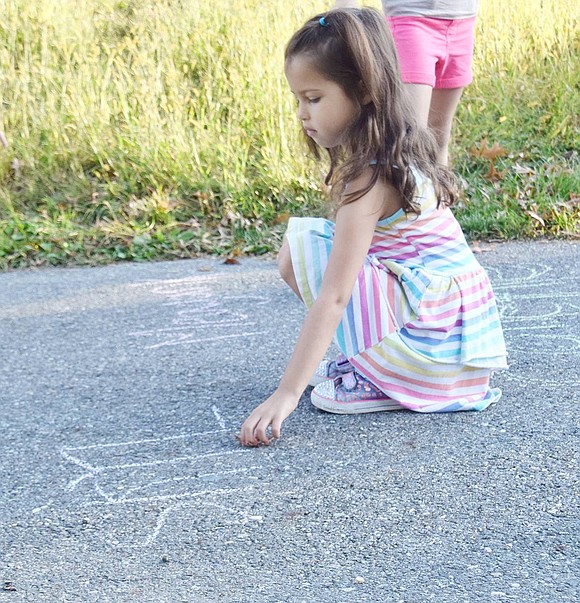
[
  {"x": 477, "y": 248},
  {"x": 536, "y": 217},
  {"x": 282, "y": 218},
  {"x": 495, "y": 151}
]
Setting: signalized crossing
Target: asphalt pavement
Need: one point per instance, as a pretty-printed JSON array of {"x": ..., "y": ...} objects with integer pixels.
[{"x": 122, "y": 389}]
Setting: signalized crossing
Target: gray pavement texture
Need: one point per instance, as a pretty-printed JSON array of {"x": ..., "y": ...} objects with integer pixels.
[{"x": 122, "y": 388}]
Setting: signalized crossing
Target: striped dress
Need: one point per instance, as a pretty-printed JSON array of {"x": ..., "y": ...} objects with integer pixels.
[{"x": 422, "y": 323}]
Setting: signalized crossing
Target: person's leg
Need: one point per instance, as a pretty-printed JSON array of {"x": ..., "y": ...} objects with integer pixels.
[
  {"x": 444, "y": 102},
  {"x": 286, "y": 269},
  {"x": 420, "y": 95},
  {"x": 416, "y": 47},
  {"x": 453, "y": 72}
]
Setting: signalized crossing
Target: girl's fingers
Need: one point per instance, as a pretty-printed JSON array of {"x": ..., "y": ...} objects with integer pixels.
[
  {"x": 270, "y": 414},
  {"x": 276, "y": 425},
  {"x": 253, "y": 433},
  {"x": 247, "y": 433},
  {"x": 260, "y": 431}
]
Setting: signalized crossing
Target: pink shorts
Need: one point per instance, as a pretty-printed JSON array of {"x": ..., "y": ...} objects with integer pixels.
[{"x": 436, "y": 52}]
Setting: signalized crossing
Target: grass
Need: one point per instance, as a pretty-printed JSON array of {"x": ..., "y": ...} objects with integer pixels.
[{"x": 149, "y": 129}]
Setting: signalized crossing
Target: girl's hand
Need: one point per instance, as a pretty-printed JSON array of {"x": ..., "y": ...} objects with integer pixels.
[{"x": 272, "y": 413}]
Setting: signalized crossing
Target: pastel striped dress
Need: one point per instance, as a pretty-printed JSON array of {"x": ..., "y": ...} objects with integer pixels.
[{"x": 422, "y": 323}]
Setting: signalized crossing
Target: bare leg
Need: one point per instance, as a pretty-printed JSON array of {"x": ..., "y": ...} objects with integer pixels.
[
  {"x": 444, "y": 103},
  {"x": 285, "y": 268},
  {"x": 420, "y": 95}
]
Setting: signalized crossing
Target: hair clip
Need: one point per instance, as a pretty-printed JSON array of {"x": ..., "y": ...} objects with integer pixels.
[{"x": 322, "y": 22}]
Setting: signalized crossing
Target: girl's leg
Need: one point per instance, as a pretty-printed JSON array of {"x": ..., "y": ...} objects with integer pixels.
[
  {"x": 286, "y": 269},
  {"x": 420, "y": 95},
  {"x": 444, "y": 103}
]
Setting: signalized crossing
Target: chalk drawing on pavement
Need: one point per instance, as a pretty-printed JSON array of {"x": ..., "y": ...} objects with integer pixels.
[
  {"x": 536, "y": 299},
  {"x": 198, "y": 315},
  {"x": 171, "y": 471},
  {"x": 537, "y": 305}
]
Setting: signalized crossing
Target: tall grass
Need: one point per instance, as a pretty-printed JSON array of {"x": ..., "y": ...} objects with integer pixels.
[{"x": 157, "y": 128}]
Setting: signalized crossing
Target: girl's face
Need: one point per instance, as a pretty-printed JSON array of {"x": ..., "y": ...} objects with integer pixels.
[{"x": 323, "y": 107}]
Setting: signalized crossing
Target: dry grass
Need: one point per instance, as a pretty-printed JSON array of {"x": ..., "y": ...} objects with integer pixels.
[{"x": 155, "y": 128}]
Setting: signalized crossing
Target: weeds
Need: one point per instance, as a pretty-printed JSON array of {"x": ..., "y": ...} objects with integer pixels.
[{"x": 159, "y": 129}]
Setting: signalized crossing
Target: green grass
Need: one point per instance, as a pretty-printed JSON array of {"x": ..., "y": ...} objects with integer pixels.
[{"x": 148, "y": 129}]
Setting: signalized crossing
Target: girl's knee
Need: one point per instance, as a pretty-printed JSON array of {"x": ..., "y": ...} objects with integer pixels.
[
  {"x": 285, "y": 262},
  {"x": 286, "y": 269}
]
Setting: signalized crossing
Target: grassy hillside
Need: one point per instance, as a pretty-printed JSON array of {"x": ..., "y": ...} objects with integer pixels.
[{"x": 141, "y": 129}]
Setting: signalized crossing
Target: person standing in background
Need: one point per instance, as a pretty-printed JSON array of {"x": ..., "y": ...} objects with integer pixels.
[{"x": 434, "y": 41}]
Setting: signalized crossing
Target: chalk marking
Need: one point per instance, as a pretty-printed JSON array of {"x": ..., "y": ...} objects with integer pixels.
[
  {"x": 144, "y": 441},
  {"x": 531, "y": 328},
  {"x": 542, "y": 316},
  {"x": 161, "y": 520},
  {"x": 189, "y": 326},
  {"x": 39, "y": 509},
  {"x": 75, "y": 482},
  {"x": 218, "y": 416},
  {"x": 185, "y": 339},
  {"x": 197, "y": 308},
  {"x": 534, "y": 296},
  {"x": 189, "y": 478},
  {"x": 175, "y": 460},
  {"x": 99, "y": 471},
  {"x": 158, "y": 527},
  {"x": 164, "y": 497}
]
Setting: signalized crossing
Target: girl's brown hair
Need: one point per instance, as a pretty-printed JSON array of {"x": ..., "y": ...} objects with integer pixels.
[{"x": 354, "y": 48}]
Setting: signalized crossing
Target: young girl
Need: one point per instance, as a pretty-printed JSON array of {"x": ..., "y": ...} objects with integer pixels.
[{"x": 393, "y": 279}]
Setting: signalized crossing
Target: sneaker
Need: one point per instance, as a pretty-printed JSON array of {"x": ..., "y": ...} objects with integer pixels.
[
  {"x": 331, "y": 369},
  {"x": 351, "y": 394}
]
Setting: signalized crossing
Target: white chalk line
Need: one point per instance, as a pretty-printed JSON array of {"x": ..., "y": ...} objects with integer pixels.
[
  {"x": 542, "y": 316},
  {"x": 219, "y": 418},
  {"x": 526, "y": 274},
  {"x": 165, "y": 497},
  {"x": 161, "y": 520},
  {"x": 530, "y": 296},
  {"x": 532, "y": 327},
  {"x": 180, "y": 459},
  {"x": 172, "y": 284},
  {"x": 173, "y": 461},
  {"x": 143, "y": 441},
  {"x": 186, "y": 339},
  {"x": 199, "y": 312},
  {"x": 158, "y": 527},
  {"x": 550, "y": 382},
  {"x": 94, "y": 471},
  {"x": 210, "y": 301},
  {"x": 75, "y": 482},
  {"x": 197, "y": 325},
  {"x": 99, "y": 471},
  {"x": 530, "y": 285},
  {"x": 185, "y": 478},
  {"x": 41, "y": 508},
  {"x": 83, "y": 464},
  {"x": 559, "y": 338}
]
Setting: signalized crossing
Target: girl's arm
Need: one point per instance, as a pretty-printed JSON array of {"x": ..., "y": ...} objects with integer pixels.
[{"x": 355, "y": 225}]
